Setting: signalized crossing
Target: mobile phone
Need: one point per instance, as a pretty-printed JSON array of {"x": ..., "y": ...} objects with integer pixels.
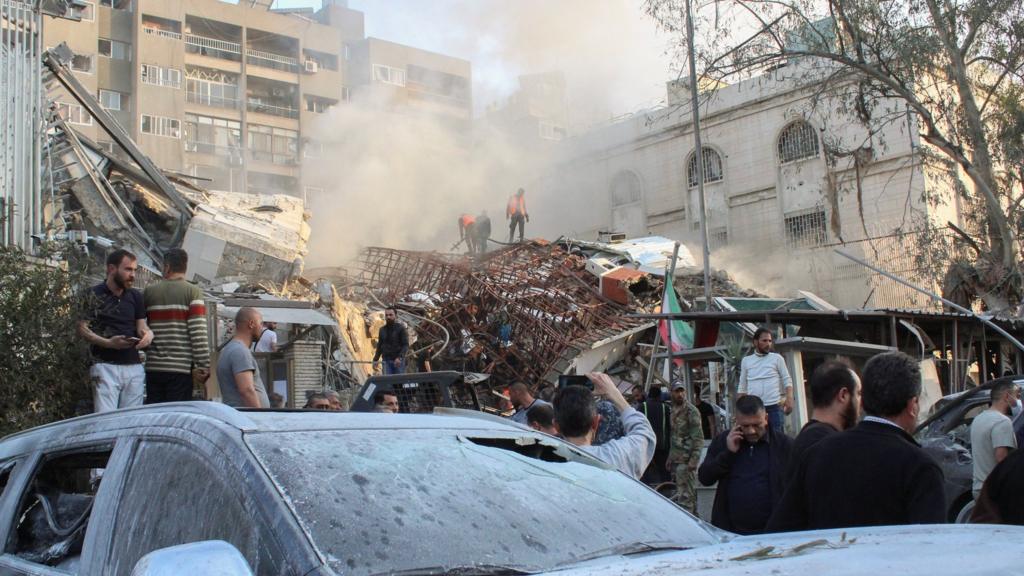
[
  {"x": 133, "y": 339},
  {"x": 574, "y": 380}
]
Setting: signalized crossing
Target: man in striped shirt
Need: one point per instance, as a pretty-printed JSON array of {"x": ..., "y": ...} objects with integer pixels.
[{"x": 180, "y": 353}]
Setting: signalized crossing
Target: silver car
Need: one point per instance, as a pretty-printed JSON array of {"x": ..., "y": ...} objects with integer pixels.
[{"x": 200, "y": 488}]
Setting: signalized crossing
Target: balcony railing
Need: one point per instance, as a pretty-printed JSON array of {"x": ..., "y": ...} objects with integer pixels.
[
  {"x": 255, "y": 105},
  {"x": 271, "y": 60},
  {"x": 162, "y": 33},
  {"x": 214, "y": 101},
  {"x": 231, "y": 155},
  {"x": 213, "y": 47}
]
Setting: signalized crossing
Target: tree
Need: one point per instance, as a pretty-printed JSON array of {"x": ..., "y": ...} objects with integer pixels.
[
  {"x": 43, "y": 363},
  {"x": 956, "y": 65}
]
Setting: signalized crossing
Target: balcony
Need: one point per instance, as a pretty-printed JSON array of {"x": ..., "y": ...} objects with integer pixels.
[
  {"x": 270, "y": 60},
  {"x": 161, "y": 33},
  {"x": 213, "y": 47},
  {"x": 231, "y": 155},
  {"x": 274, "y": 108},
  {"x": 288, "y": 159},
  {"x": 210, "y": 100}
]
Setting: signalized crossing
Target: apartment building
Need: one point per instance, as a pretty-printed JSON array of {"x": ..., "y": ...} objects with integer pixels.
[{"x": 228, "y": 91}]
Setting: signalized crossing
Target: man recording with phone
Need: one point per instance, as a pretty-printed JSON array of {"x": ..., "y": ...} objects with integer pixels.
[{"x": 577, "y": 419}]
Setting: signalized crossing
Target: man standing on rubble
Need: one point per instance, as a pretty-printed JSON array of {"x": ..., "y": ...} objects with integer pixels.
[
  {"x": 116, "y": 328},
  {"x": 237, "y": 371},
  {"x": 764, "y": 374},
  {"x": 578, "y": 421},
  {"x": 516, "y": 214},
  {"x": 180, "y": 354},
  {"x": 392, "y": 344},
  {"x": 686, "y": 443},
  {"x": 466, "y": 232},
  {"x": 481, "y": 232}
]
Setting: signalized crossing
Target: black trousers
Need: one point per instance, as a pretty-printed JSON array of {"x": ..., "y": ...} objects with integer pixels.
[
  {"x": 168, "y": 387},
  {"x": 657, "y": 472},
  {"x": 521, "y": 221}
]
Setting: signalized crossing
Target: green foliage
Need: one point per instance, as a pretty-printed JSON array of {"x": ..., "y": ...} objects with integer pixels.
[{"x": 43, "y": 363}]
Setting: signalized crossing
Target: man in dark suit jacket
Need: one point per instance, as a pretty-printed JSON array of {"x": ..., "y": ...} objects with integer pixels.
[
  {"x": 835, "y": 401},
  {"x": 749, "y": 463},
  {"x": 874, "y": 474}
]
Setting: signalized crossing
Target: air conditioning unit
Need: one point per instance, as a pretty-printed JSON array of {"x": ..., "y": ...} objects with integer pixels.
[{"x": 312, "y": 66}]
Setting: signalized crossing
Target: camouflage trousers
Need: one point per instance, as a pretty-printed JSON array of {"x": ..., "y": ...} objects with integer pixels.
[{"x": 686, "y": 487}]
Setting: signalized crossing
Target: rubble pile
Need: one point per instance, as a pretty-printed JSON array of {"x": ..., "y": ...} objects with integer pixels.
[{"x": 523, "y": 313}]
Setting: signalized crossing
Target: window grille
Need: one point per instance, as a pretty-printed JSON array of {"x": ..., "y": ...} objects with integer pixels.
[
  {"x": 626, "y": 189},
  {"x": 712, "y": 167},
  {"x": 797, "y": 142},
  {"x": 806, "y": 230}
]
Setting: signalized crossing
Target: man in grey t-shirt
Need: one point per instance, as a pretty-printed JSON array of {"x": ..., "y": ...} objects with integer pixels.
[
  {"x": 992, "y": 436},
  {"x": 237, "y": 371}
]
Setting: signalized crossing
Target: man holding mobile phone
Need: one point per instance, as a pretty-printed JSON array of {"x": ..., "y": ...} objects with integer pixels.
[
  {"x": 578, "y": 420},
  {"x": 115, "y": 326}
]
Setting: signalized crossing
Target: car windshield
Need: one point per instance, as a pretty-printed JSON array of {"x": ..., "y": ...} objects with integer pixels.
[{"x": 378, "y": 501}]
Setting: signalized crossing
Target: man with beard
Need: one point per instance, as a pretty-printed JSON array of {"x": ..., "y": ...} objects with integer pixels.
[
  {"x": 392, "y": 344},
  {"x": 748, "y": 462},
  {"x": 686, "y": 443},
  {"x": 835, "y": 398},
  {"x": 992, "y": 437},
  {"x": 874, "y": 474},
  {"x": 764, "y": 374},
  {"x": 116, "y": 329}
]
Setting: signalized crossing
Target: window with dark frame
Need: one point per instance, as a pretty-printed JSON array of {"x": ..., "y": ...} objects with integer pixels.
[
  {"x": 798, "y": 141},
  {"x": 806, "y": 230},
  {"x": 712, "y": 167}
]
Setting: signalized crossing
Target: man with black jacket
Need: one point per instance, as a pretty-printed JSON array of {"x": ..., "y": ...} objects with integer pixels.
[
  {"x": 835, "y": 398},
  {"x": 874, "y": 474},
  {"x": 749, "y": 463},
  {"x": 659, "y": 414},
  {"x": 392, "y": 344}
]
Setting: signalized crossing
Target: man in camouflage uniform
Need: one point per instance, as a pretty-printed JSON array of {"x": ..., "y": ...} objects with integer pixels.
[{"x": 686, "y": 443}]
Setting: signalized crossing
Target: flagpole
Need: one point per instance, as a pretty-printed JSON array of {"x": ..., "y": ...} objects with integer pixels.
[{"x": 670, "y": 361}]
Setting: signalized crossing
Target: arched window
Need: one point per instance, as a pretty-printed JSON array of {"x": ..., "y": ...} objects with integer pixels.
[
  {"x": 625, "y": 189},
  {"x": 798, "y": 141},
  {"x": 712, "y": 167}
]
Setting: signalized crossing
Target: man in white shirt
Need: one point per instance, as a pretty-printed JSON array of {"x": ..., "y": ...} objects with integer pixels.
[
  {"x": 992, "y": 436},
  {"x": 268, "y": 338},
  {"x": 764, "y": 374}
]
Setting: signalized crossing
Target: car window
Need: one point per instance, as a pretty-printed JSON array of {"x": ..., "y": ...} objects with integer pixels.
[
  {"x": 53, "y": 513},
  {"x": 6, "y": 468},
  {"x": 174, "y": 495},
  {"x": 376, "y": 501}
]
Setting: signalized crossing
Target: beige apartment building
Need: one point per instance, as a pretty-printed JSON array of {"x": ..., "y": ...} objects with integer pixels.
[{"x": 229, "y": 91}]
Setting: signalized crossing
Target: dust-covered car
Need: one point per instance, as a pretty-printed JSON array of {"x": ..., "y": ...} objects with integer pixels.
[
  {"x": 200, "y": 488},
  {"x": 946, "y": 436}
]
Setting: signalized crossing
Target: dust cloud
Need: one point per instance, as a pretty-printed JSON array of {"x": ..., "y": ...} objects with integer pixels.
[{"x": 402, "y": 179}]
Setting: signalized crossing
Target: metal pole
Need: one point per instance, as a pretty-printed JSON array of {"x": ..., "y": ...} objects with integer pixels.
[
  {"x": 952, "y": 305},
  {"x": 699, "y": 157}
]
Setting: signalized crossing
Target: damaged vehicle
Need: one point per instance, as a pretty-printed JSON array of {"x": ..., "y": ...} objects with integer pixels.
[
  {"x": 200, "y": 488},
  {"x": 946, "y": 436}
]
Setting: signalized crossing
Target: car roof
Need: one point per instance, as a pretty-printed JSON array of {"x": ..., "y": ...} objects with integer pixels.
[{"x": 200, "y": 414}]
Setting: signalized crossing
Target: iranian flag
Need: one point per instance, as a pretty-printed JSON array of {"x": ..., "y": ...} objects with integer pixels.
[{"x": 676, "y": 334}]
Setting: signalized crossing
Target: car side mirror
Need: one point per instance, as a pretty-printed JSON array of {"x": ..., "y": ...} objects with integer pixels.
[{"x": 211, "y": 558}]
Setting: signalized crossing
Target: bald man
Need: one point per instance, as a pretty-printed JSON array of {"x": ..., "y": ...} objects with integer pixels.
[{"x": 237, "y": 371}]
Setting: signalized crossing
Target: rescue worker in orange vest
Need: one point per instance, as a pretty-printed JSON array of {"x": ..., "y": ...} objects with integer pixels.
[
  {"x": 467, "y": 223},
  {"x": 516, "y": 214}
]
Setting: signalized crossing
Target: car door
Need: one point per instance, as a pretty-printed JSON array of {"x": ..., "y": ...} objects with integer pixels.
[
  {"x": 53, "y": 507},
  {"x": 184, "y": 489}
]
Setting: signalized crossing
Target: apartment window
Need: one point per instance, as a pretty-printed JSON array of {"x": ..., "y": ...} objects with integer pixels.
[
  {"x": 712, "y": 167},
  {"x": 389, "y": 74},
  {"x": 157, "y": 76},
  {"x": 82, "y": 63},
  {"x": 277, "y": 145},
  {"x": 806, "y": 230},
  {"x": 318, "y": 105},
  {"x": 117, "y": 4},
  {"x": 211, "y": 88},
  {"x": 88, "y": 12},
  {"x": 110, "y": 100},
  {"x": 161, "y": 126},
  {"x": 74, "y": 114},
  {"x": 114, "y": 49},
  {"x": 208, "y": 135},
  {"x": 312, "y": 149},
  {"x": 797, "y": 142},
  {"x": 550, "y": 131}
]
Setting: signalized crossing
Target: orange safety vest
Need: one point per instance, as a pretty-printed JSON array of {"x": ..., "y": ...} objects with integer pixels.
[
  {"x": 465, "y": 220},
  {"x": 516, "y": 206}
]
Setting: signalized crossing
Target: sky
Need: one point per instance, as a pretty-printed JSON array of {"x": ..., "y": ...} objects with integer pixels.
[{"x": 614, "y": 58}]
